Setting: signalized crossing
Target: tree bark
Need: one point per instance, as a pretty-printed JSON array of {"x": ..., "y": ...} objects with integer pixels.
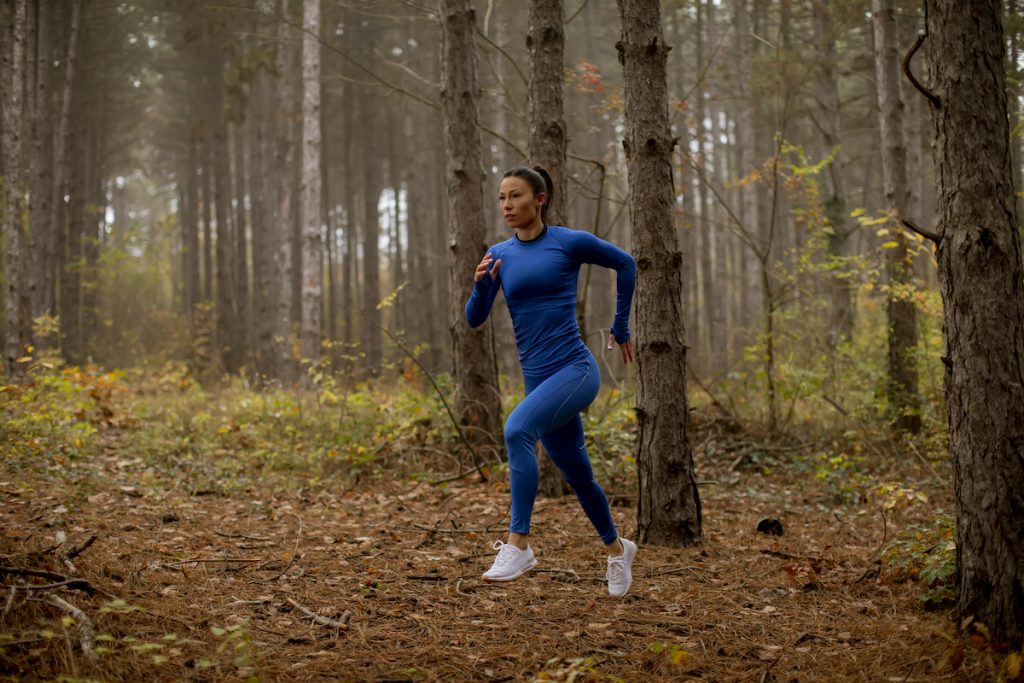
[
  {"x": 830, "y": 124},
  {"x": 979, "y": 269},
  {"x": 17, "y": 324},
  {"x": 478, "y": 404},
  {"x": 285, "y": 177},
  {"x": 225, "y": 344},
  {"x": 312, "y": 239},
  {"x": 547, "y": 141},
  {"x": 42, "y": 236},
  {"x": 668, "y": 508},
  {"x": 904, "y": 400}
]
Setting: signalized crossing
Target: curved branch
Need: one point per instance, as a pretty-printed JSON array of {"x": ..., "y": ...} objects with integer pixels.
[
  {"x": 927, "y": 234},
  {"x": 932, "y": 97}
]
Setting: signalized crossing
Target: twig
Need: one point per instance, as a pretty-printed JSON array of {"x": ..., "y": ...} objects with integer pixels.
[
  {"x": 10, "y": 600},
  {"x": 73, "y": 584},
  {"x": 914, "y": 227},
  {"x": 295, "y": 553},
  {"x": 428, "y": 577},
  {"x": 201, "y": 560},
  {"x": 41, "y": 573},
  {"x": 932, "y": 97},
  {"x": 454, "y": 477},
  {"x": 74, "y": 551},
  {"x": 554, "y": 570},
  {"x": 341, "y": 624},
  {"x": 85, "y": 627},
  {"x": 455, "y": 422},
  {"x": 251, "y": 538}
]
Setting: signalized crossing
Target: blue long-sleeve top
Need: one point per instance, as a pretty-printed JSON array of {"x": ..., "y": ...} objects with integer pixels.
[{"x": 539, "y": 279}]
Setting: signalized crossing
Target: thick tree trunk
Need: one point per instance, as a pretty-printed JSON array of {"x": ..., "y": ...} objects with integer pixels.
[
  {"x": 979, "y": 268},
  {"x": 17, "y": 323},
  {"x": 827, "y": 96},
  {"x": 746, "y": 133},
  {"x": 226, "y": 345},
  {"x": 312, "y": 240},
  {"x": 264, "y": 223},
  {"x": 902, "y": 315},
  {"x": 547, "y": 141},
  {"x": 285, "y": 175},
  {"x": 668, "y": 508},
  {"x": 478, "y": 404},
  {"x": 61, "y": 171},
  {"x": 42, "y": 236}
]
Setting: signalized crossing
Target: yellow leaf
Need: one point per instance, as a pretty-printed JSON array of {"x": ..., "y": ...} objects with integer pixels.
[
  {"x": 680, "y": 657},
  {"x": 891, "y": 245},
  {"x": 29, "y": 348},
  {"x": 857, "y": 212},
  {"x": 330, "y": 396},
  {"x": 1013, "y": 664}
]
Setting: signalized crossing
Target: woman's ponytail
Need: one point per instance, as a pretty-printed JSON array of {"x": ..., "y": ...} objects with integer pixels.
[{"x": 549, "y": 190}]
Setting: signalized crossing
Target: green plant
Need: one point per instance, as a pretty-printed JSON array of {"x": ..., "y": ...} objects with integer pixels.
[{"x": 927, "y": 553}]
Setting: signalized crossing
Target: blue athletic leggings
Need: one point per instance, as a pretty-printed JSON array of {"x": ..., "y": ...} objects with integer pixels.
[{"x": 551, "y": 412}]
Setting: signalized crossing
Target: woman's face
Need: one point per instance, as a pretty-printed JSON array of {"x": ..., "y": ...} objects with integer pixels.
[{"x": 519, "y": 205}]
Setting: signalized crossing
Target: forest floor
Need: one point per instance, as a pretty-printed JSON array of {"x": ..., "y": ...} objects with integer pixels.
[{"x": 187, "y": 583}]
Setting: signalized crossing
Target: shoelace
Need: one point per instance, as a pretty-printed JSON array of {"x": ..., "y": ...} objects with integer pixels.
[
  {"x": 616, "y": 568},
  {"x": 506, "y": 553}
]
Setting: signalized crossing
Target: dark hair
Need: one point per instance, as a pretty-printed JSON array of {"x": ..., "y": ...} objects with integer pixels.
[{"x": 539, "y": 181}]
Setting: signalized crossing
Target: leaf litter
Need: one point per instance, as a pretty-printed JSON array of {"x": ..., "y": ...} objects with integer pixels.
[{"x": 380, "y": 581}]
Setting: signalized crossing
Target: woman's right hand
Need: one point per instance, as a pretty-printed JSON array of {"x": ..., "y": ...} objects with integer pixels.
[{"x": 485, "y": 264}]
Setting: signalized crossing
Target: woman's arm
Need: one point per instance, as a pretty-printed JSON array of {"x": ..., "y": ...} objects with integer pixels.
[
  {"x": 485, "y": 288},
  {"x": 587, "y": 248}
]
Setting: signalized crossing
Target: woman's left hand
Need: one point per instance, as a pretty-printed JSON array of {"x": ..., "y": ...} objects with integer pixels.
[{"x": 626, "y": 348}]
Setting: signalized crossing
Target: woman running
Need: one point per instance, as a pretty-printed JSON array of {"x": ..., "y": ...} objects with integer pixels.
[{"x": 537, "y": 268}]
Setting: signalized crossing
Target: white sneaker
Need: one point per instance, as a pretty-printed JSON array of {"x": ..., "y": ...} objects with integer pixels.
[
  {"x": 511, "y": 562},
  {"x": 620, "y": 569}
]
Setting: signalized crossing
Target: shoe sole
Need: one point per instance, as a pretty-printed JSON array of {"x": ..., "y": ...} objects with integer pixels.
[{"x": 491, "y": 579}]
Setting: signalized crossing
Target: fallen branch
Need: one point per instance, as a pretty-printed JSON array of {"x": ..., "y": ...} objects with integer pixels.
[
  {"x": 341, "y": 624},
  {"x": 251, "y": 538},
  {"x": 200, "y": 560},
  {"x": 74, "y": 551},
  {"x": 41, "y": 573},
  {"x": 71, "y": 584},
  {"x": 85, "y": 627}
]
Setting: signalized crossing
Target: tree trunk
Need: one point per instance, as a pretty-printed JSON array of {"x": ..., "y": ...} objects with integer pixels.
[
  {"x": 979, "y": 269},
  {"x": 17, "y": 324},
  {"x": 285, "y": 175},
  {"x": 42, "y": 234},
  {"x": 827, "y": 96},
  {"x": 312, "y": 240},
  {"x": 668, "y": 508},
  {"x": 371, "y": 319},
  {"x": 264, "y": 222},
  {"x": 239, "y": 266},
  {"x": 904, "y": 400},
  {"x": 61, "y": 171},
  {"x": 478, "y": 404},
  {"x": 746, "y": 133},
  {"x": 547, "y": 140},
  {"x": 226, "y": 346}
]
